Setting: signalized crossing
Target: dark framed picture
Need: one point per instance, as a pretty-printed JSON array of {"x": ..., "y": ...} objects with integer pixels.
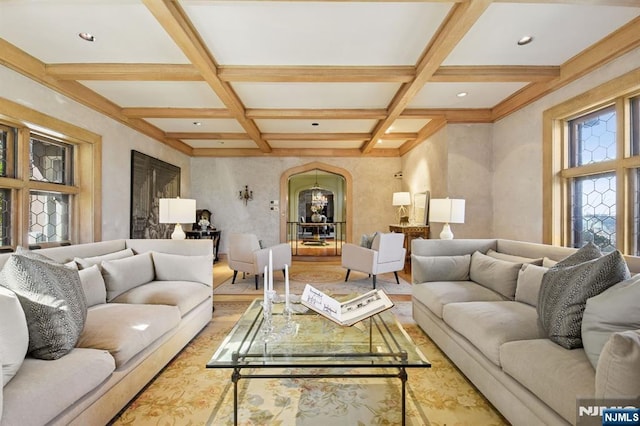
[{"x": 151, "y": 179}]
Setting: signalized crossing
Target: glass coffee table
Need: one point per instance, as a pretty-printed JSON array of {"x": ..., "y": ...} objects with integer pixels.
[{"x": 378, "y": 346}]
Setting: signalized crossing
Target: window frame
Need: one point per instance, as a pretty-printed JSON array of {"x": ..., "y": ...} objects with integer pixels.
[
  {"x": 85, "y": 189},
  {"x": 558, "y": 175}
]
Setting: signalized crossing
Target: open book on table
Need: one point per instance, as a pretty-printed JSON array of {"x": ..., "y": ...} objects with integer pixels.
[{"x": 348, "y": 312}]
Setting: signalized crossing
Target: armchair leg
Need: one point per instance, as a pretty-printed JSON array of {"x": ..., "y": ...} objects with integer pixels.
[
  {"x": 235, "y": 273},
  {"x": 347, "y": 277},
  {"x": 256, "y": 279},
  {"x": 397, "y": 279},
  {"x": 374, "y": 282}
]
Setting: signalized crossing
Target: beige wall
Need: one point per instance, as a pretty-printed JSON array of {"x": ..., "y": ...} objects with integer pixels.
[
  {"x": 117, "y": 142},
  {"x": 216, "y": 182},
  {"x": 456, "y": 162}
]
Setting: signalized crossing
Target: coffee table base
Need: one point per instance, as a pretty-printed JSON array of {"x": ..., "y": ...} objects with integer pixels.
[{"x": 237, "y": 375}]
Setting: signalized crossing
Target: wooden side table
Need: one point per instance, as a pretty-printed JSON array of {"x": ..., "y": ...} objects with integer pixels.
[
  {"x": 410, "y": 232},
  {"x": 213, "y": 234}
]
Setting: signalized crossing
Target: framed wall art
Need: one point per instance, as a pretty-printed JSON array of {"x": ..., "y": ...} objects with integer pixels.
[{"x": 151, "y": 179}]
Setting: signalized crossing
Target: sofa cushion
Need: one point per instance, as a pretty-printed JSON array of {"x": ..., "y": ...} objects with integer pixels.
[
  {"x": 175, "y": 267},
  {"x": 53, "y": 301},
  {"x": 14, "y": 335},
  {"x": 490, "y": 324},
  {"x": 186, "y": 295},
  {"x": 618, "y": 372},
  {"x": 498, "y": 275},
  {"x": 554, "y": 374},
  {"x": 93, "y": 285},
  {"x": 435, "y": 295},
  {"x": 529, "y": 283},
  {"x": 513, "y": 258},
  {"x": 616, "y": 309},
  {"x": 366, "y": 240},
  {"x": 124, "y": 274},
  {"x": 30, "y": 400},
  {"x": 125, "y": 330},
  {"x": 566, "y": 288},
  {"x": 440, "y": 268},
  {"x": 87, "y": 262}
]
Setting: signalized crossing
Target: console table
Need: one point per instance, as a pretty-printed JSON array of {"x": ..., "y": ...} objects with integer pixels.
[
  {"x": 213, "y": 234},
  {"x": 410, "y": 232}
]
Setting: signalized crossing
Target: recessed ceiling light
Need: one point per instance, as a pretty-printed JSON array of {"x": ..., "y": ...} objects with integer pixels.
[
  {"x": 462, "y": 94},
  {"x": 197, "y": 123},
  {"x": 315, "y": 124},
  {"x": 525, "y": 40},
  {"x": 87, "y": 36}
]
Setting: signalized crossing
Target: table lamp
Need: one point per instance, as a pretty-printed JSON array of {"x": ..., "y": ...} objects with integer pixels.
[
  {"x": 177, "y": 210},
  {"x": 402, "y": 199},
  {"x": 446, "y": 210}
]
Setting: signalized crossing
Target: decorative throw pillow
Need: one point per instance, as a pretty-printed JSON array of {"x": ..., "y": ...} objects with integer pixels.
[
  {"x": 14, "y": 335},
  {"x": 513, "y": 258},
  {"x": 53, "y": 302},
  {"x": 175, "y": 267},
  {"x": 616, "y": 309},
  {"x": 498, "y": 275},
  {"x": 440, "y": 268},
  {"x": 95, "y": 290},
  {"x": 367, "y": 240},
  {"x": 122, "y": 275},
  {"x": 567, "y": 286},
  {"x": 529, "y": 283},
  {"x": 87, "y": 262},
  {"x": 618, "y": 372}
]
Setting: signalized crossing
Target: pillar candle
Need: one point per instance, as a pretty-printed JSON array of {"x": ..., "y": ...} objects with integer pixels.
[
  {"x": 286, "y": 286},
  {"x": 270, "y": 270},
  {"x": 264, "y": 284}
]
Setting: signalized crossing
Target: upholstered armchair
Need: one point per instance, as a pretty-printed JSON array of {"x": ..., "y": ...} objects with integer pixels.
[
  {"x": 246, "y": 256},
  {"x": 386, "y": 254}
]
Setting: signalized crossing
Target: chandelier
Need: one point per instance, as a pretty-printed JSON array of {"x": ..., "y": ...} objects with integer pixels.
[{"x": 318, "y": 199}]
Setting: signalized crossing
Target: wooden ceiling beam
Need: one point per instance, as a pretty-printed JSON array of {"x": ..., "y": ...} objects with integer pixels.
[
  {"x": 175, "y": 22},
  {"x": 430, "y": 129},
  {"x": 492, "y": 74},
  {"x": 208, "y": 135},
  {"x": 317, "y": 74},
  {"x": 294, "y": 152},
  {"x": 317, "y": 136},
  {"x": 452, "y": 115},
  {"x": 177, "y": 112},
  {"x": 611, "y": 47},
  {"x": 124, "y": 72},
  {"x": 375, "y": 114},
  {"x": 456, "y": 25}
]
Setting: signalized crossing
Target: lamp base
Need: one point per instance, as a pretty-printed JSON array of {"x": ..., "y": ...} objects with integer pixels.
[
  {"x": 446, "y": 233},
  {"x": 178, "y": 233}
]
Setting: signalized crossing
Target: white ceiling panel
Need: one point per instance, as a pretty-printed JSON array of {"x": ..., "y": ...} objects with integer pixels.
[
  {"x": 316, "y": 33},
  {"x": 192, "y": 94},
  {"x": 479, "y": 95},
  {"x": 125, "y": 31},
  {"x": 316, "y": 95},
  {"x": 559, "y": 31},
  {"x": 187, "y": 125},
  {"x": 315, "y": 144},
  {"x": 225, "y": 144},
  {"x": 324, "y": 126},
  {"x": 408, "y": 124}
]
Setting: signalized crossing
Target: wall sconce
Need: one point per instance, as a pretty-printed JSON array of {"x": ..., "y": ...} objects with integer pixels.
[{"x": 246, "y": 195}]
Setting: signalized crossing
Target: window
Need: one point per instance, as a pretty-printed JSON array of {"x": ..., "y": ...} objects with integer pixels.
[
  {"x": 592, "y": 167},
  {"x": 50, "y": 186}
]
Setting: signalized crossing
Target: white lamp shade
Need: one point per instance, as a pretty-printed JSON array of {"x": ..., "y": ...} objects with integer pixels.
[
  {"x": 177, "y": 210},
  {"x": 401, "y": 198},
  {"x": 446, "y": 210}
]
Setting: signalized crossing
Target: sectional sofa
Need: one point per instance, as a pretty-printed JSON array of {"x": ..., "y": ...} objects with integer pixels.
[
  {"x": 142, "y": 302},
  {"x": 485, "y": 303}
]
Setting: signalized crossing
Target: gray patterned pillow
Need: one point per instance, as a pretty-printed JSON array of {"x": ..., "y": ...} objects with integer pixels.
[
  {"x": 53, "y": 301},
  {"x": 567, "y": 286}
]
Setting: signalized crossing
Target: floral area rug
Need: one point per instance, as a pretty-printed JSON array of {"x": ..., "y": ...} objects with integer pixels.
[
  {"x": 327, "y": 277},
  {"x": 186, "y": 393}
]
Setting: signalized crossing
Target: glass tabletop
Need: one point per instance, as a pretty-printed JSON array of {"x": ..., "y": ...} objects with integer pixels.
[{"x": 315, "y": 341}]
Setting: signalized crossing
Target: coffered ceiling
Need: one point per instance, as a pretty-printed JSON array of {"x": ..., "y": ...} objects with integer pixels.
[{"x": 309, "y": 78}]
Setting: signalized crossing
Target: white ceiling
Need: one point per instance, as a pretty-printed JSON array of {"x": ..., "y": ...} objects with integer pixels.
[{"x": 251, "y": 39}]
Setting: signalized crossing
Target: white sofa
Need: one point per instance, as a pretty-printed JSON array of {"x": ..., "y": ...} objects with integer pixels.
[
  {"x": 158, "y": 296},
  {"x": 493, "y": 336}
]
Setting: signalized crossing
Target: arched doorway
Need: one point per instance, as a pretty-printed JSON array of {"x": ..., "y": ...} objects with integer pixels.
[{"x": 338, "y": 203}]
